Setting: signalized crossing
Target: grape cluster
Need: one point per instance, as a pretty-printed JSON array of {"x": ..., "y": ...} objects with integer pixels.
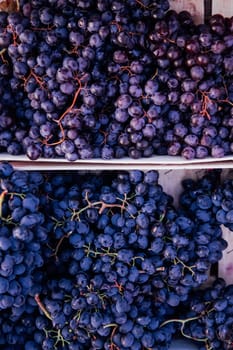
[
  {"x": 208, "y": 200},
  {"x": 86, "y": 79},
  {"x": 223, "y": 200},
  {"x": 21, "y": 236},
  {"x": 96, "y": 261},
  {"x": 140, "y": 256},
  {"x": 208, "y": 318}
]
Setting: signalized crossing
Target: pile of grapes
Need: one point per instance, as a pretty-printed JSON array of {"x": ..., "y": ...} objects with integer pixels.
[
  {"x": 105, "y": 261},
  {"x": 109, "y": 79}
]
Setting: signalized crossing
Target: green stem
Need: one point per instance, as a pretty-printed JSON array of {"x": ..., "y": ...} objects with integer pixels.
[
  {"x": 61, "y": 339},
  {"x": 102, "y": 297},
  {"x": 179, "y": 320},
  {"x": 183, "y": 322},
  {"x": 56, "y": 334},
  {"x": 190, "y": 337},
  {"x": 190, "y": 268},
  {"x": 90, "y": 205},
  {"x": 135, "y": 258},
  {"x": 57, "y": 222},
  {"x": 110, "y": 325},
  {"x": 162, "y": 216},
  {"x": 78, "y": 315},
  {"x": 90, "y": 251},
  {"x": 8, "y": 220},
  {"x": 96, "y": 252},
  {"x": 21, "y": 195},
  {"x": 107, "y": 252}
]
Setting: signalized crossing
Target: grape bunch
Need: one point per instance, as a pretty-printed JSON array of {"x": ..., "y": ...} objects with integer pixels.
[
  {"x": 209, "y": 200},
  {"x": 223, "y": 200},
  {"x": 134, "y": 252},
  {"x": 97, "y": 261},
  {"x": 208, "y": 318},
  {"x": 22, "y": 232},
  {"x": 86, "y": 79}
]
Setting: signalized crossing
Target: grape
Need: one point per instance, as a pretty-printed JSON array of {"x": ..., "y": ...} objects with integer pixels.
[
  {"x": 217, "y": 151},
  {"x": 201, "y": 152}
]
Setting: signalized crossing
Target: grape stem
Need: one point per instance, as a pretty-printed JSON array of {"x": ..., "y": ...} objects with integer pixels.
[
  {"x": 57, "y": 335},
  {"x": 57, "y": 222},
  {"x": 102, "y": 207},
  {"x": 2, "y": 57},
  {"x": 112, "y": 346},
  {"x": 42, "y": 307},
  {"x": 190, "y": 268},
  {"x": 17, "y": 5},
  {"x": 14, "y": 34},
  {"x": 2, "y": 196},
  {"x": 102, "y": 297},
  {"x": 119, "y": 27},
  {"x": 127, "y": 69},
  {"x": 60, "y": 242},
  {"x": 103, "y": 252},
  {"x": 119, "y": 286},
  {"x": 38, "y": 79},
  {"x": 143, "y": 5},
  {"x": 105, "y": 135},
  {"x": 110, "y": 325},
  {"x": 20, "y": 195},
  {"x": 135, "y": 258},
  {"x": 59, "y": 121},
  {"x": 183, "y": 322},
  {"x": 155, "y": 74},
  {"x": 227, "y": 101},
  {"x": 205, "y": 101},
  {"x": 78, "y": 315}
]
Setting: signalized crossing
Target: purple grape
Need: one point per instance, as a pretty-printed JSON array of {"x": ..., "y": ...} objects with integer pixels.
[
  {"x": 188, "y": 153},
  {"x": 217, "y": 151},
  {"x": 197, "y": 73}
]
